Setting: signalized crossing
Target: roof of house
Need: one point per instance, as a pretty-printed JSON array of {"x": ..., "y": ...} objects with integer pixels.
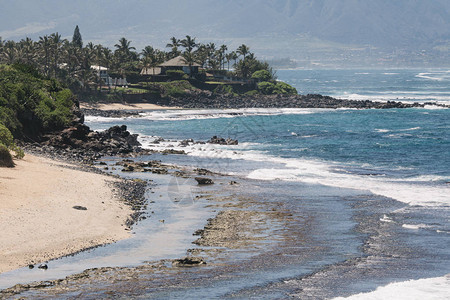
[
  {"x": 177, "y": 62},
  {"x": 151, "y": 71},
  {"x": 98, "y": 68}
]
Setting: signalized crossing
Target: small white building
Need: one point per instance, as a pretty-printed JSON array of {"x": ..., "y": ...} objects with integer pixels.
[{"x": 102, "y": 72}]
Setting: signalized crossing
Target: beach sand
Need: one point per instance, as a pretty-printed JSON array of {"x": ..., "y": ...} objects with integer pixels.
[
  {"x": 125, "y": 106},
  {"x": 37, "y": 218}
]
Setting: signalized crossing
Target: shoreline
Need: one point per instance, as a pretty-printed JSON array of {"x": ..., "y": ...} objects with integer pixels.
[
  {"x": 230, "y": 215},
  {"x": 125, "y": 106},
  {"x": 209, "y": 100},
  {"x": 50, "y": 211}
]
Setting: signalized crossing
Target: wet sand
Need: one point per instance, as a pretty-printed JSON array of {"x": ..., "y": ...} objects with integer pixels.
[{"x": 38, "y": 218}]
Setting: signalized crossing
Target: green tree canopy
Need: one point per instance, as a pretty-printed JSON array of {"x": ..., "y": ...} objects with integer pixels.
[
  {"x": 262, "y": 75},
  {"x": 77, "y": 41}
]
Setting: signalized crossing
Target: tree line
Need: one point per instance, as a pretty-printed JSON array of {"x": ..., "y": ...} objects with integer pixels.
[{"x": 71, "y": 61}]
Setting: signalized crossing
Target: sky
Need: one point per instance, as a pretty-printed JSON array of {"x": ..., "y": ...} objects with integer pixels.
[{"x": 309, "y": 32}]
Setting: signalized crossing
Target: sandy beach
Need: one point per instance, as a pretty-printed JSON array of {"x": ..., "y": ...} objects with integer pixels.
[
  {"x": 125, "y": 106},
  {"x": 37, "y": 217}
]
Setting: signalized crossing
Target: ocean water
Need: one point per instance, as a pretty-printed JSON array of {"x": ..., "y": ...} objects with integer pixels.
[
  {"x": 401, "y": 156},
  {"x": 377, "y": 183},
  {"x": 416, "y": 85}
]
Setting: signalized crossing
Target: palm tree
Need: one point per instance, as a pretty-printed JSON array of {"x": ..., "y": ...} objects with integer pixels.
[
  {"x": 85, "y": 74},
  {"x": 150, "y": 58},
  {"x": 56, "y": 43},
  {"x": 28, "y": 50},
  {"x": 243, "y": 50},
  {"x": 174, "y": 44},
  {"x": 124, "y": 54},
  {"x": 150, "y": 61},
  {"x": 201, "y": 55},
  {"x": 189, "y": 44},
  {"x": 211, "y": 52},
  {"x": 148, "y": 51},
  {"x": 99, "y": 59},
  {"x": 72, "y": 57},
  {"x": 10, "y": 52},
  {"x": 108, "y": 59},
  {"x": 229, "y": 57},
  {"x": 223, "y": 49},
  {"x": 45, "y": 49},
  {"x": 124, "y": 48}
]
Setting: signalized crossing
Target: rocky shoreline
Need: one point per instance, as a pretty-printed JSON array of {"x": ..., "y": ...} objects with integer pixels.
[
  {"x": 206, "y": 99},
  {"x": 209, "y": 100}
]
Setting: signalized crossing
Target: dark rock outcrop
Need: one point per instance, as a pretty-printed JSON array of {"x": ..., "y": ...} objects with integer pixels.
[
  {"x": 109, "y": 113},
  {"x": 204, "y": 180},
  {"x": 206, "y": 99},
  {"x": 222, "y": 141},
  {"x": 188, "y": 262},
  {"x": 116, "y": 140}
]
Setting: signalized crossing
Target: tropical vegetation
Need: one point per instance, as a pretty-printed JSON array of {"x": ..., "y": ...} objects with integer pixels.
[
  {"x": 71, "y": 61},
  {"x": 31, "y": 105}
]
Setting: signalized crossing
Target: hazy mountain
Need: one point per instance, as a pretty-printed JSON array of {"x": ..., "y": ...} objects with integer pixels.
[{"x": 270, "y": 27}]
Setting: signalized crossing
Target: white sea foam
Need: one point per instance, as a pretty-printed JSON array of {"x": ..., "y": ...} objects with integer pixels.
[
  {"x": 386, "y": 219},
  {"x": 436, "y": 76},
  {"x": 191, "y": 114},
  {"x": 400, "y": 96},
  {"x": 320, "y": 173},
  {"x": 414, "y": 191},
  {"x": 416, "y": 226},
  {"x": 410, "y": 129},
  {"x": 435, "y": 106},
  {"x": 437, "y": 288},
  {"x": 98, "y": 119}
]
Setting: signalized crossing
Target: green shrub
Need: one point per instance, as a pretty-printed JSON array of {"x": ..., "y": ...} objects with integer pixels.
[
  {"x": 262, "y": 75},
  {"x": 223, "y": 89},
  {"x": 5, "y": 157},
  {"x": 252, "y": 93},
  {"x": 55, "y": 113},
  {"x": 285, "y": 89},
  {"x": 279, "y": 87},
  {"x": 176, "y": 75},
  {"x": 266, "y": 88},
  {"x": 174, "y": 88},
  {"x": 6, "y": 138},
  {"x": 30, "y": 105}
]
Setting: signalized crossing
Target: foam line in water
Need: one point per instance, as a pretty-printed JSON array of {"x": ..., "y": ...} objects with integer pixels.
[
  {"x": 420, "y": 190},
  {"x": 98, "y": 119},
  {"x": 198, "y": 114},
  {"x": 437, "y": 288},
  {"x": 406, "y": 97}
]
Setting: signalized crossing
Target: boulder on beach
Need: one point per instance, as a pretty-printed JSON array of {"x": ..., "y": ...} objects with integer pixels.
[
  {"x": 188, "y": 262},
  {"x": 204, "y": 180}
]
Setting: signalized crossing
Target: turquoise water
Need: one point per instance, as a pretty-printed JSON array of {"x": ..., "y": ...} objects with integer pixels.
[
  {"x": 401, "y": 156},
  {"x": 373, "y": 183},
  {"x": 419, "y": 85}
]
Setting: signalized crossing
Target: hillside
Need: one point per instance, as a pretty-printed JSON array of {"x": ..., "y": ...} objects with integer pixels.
[
  {"x": 283, "y": 27},
  {"x": 31, "y": 105}
]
